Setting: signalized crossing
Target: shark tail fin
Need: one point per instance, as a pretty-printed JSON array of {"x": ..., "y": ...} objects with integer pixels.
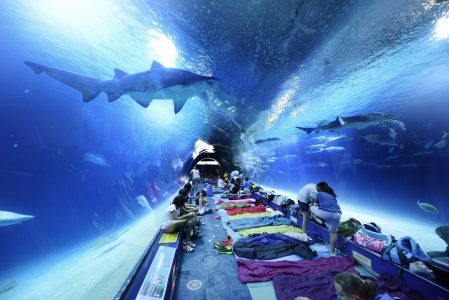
[
  {"x": 445, "y": 135},
  {"x": 37, "y": 68},
  {"x": 179, "y": 104}
]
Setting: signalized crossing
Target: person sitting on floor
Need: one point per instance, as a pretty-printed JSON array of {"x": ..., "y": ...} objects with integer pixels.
[
  {"x": 350, "y": 286},
  {"x": 235, "y": 188},
  {"x": 326, "y": 208},
  {"x": 247, "y": 183},
  {"x": 174, "y": 221},
  {"x": 220, "y": 183}
]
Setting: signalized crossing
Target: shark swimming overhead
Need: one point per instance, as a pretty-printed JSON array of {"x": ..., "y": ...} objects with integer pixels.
[
  {"x": 157, "y": 83},
  {"x": 358, "y": 122},
  {"x": 10, "y": 218}
]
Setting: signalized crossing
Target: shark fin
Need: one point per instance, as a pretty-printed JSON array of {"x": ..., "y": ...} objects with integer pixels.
[
  {"x": 341, "y": 121},
  {"x": 179, "y": 104},
  {"x": 88, "y": 93},
  {"x": 113, "y": 97},
  {"x": 141, "y": 100},
  {"x": 119, "y": 73},
  {"x": 37, "y": 68},
  {"x": 308, "y": 130},
  {"x": 156, "y": 66}
]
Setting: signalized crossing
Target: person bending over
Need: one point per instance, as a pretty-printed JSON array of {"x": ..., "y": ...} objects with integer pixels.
[
  {"x": 306, "y": 196},
  {"x": 174, "y": 221},
  {"x": 326, "y": 208}
]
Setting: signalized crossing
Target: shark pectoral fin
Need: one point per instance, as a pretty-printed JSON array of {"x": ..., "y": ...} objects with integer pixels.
[
  {"x": 179, "y": 104},
  {"x": 119, "y": 73},
  {"x": 113, "y": 97},
  {"x": 141, "y": 100},
  {"x": 37, "y": 68}
]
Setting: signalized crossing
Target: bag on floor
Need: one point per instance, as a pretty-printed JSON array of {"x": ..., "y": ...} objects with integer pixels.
[
  {"x": 404, "y": 251},
  {"x": 349, "y": 227},
  {"x": 371, "y": 240}
]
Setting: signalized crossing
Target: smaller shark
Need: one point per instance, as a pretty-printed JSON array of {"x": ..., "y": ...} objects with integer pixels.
[
  {"x": 427, "y": 207},
  {"x": 96, "y": 159},
  {"x": 157, "y": 83},
  {"x": 267, "y": 140},
  {"x": 10, "y": 218},
  {"x": 358, "y": 122}
]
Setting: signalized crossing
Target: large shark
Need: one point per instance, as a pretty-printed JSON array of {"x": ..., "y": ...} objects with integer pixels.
[
  {"x": 157, "y": 83},
  {"x": 358, "y": 122},
  {"x": 10, "y": 218}
]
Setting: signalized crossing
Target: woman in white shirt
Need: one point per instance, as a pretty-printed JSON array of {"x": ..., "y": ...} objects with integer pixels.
[{"x": 173, "y": 222}]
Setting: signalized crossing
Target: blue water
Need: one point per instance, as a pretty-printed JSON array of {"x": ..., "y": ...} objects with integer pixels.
[{"x": 78, "y": 167}]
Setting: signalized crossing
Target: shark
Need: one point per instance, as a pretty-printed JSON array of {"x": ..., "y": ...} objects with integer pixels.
[
  {"x": 358, "y": 122},
  {"x": 157, "y": 83},
  {"x": 9, "y": 218},
  {"x": 427, "y": 207}
]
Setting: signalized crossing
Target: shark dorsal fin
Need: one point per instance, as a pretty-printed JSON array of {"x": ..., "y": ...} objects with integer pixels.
[
  {"x": 119, "y": 73},
  {"x": 156, "y": 66}
]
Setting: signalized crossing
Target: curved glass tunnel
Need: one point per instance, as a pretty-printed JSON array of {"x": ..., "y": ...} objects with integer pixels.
[{"x": 354, "y": 93}]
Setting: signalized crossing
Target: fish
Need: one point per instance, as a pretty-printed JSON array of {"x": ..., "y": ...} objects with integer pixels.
[
  {"x": 317, "y": 146},
  {"x": 409, "y": 165},
  {"x": 358, "y": 122},
  {"x": 290, "y": 155},
  {"x": 142, "y": 200},
  {"x": 427, "y": 207},
  {"x": 328, "y": 139},
  {"x": 157, "y": 83},
  {"x": 267, "y": 140},
  {"x": 391, "y": 157},
  {"x": 16, "y": 173},
  {"x": 441, "y": 144},
  {"x": 423, "y": 153},
  {"x": 395, "y": 125},
  {"x": 96, "y": 159},
  {"x": 333, "y": 148},
  {"x": 9, "y": 218},
  {"x": 383, "y": 166},
  {"x": 378, "y": 140}
]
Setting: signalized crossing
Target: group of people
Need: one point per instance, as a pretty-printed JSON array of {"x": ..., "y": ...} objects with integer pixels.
[
  {"x": 182, "y": 216},
  {"x": 234, "y": 183},
  {"x": 313, "y": 200}
]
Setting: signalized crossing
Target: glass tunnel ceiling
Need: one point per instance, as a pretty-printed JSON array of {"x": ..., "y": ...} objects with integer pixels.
[{"x": 282, "y": 64}]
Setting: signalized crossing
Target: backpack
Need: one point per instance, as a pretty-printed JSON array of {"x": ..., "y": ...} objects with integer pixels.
[
  {"x": 371, "y": 226},
  {"x": 404, "y": 251},
  {"x": 349, "y": 227}
]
